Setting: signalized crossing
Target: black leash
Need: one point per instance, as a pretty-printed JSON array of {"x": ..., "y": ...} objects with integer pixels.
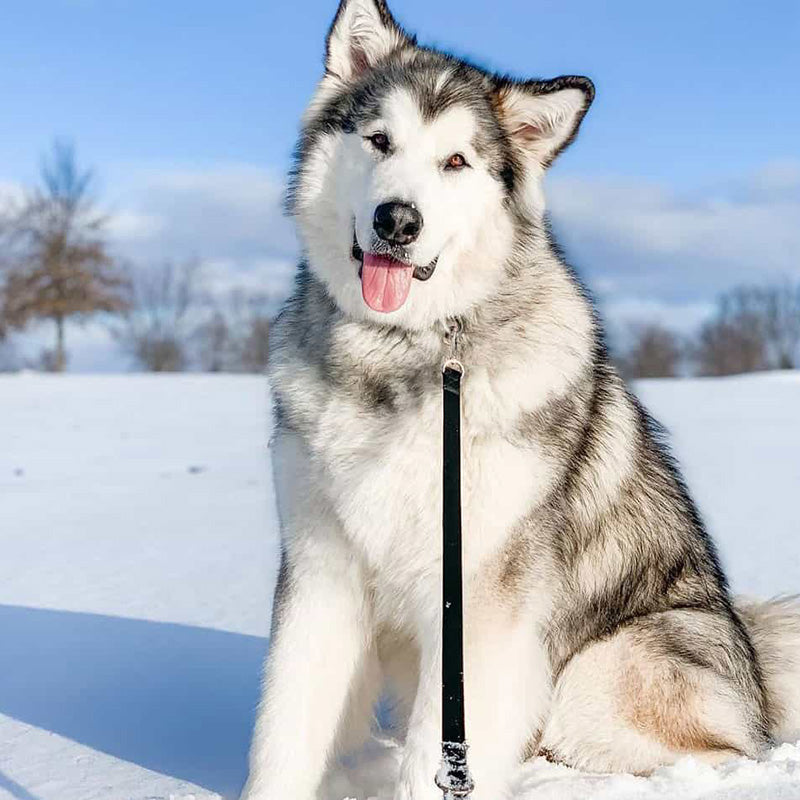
[{"x": 453, "y": 777}]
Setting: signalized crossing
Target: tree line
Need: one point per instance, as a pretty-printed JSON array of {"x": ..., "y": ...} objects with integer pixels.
[
  {"x": 57, "y": 266},
  {"x": 753, "y": 328}
]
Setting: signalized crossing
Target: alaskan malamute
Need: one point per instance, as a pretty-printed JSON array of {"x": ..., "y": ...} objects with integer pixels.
[{"x": 599, "y": 628}]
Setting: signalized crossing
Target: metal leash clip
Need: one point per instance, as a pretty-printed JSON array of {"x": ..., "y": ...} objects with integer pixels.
[{"x": 452, "y": 334}]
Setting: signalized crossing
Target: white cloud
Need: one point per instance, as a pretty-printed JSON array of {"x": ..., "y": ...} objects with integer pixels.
[
  {"x": 132, "y": 227},
  {"x": 228, "y": 217},
  {"x": 229, "y": 213},
  {"x": 639, "y": 241},
  {"x": 683, "y": 317},
  {"x": 268, "y": 276}
]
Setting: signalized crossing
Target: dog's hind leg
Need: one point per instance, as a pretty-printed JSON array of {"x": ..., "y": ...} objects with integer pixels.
[{"x": 664, "y": 686}]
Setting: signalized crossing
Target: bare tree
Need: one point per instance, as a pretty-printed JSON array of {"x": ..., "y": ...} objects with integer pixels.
[
  {"x": 235, "y": 338},
  {"x": 734, "y": 340},
  {"x": 215, "y": 345},
  {"x": 59, "y": 265},
  {"x": 654, "y": 351},
  {"x": 157, "y": 324},
  {"x": 780, "y": 307},
  {"x": 754, "y": 328},
  {"x": 254, "y": 346}
]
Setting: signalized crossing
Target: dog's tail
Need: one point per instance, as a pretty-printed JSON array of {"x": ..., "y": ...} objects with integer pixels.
[{"x": 774, "y": 628}]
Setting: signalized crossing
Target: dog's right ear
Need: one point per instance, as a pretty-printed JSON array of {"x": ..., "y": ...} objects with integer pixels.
[{"x": 363, "y": 32}]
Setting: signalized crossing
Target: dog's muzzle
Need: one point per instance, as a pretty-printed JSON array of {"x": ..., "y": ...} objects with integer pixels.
[{"x": 421, "y": 273}]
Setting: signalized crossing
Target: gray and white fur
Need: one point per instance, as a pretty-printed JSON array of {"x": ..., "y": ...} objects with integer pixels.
[{"x": 599, "y": 626}]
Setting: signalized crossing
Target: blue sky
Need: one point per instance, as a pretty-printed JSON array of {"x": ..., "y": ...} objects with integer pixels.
[
  {"x": 686, "y": 175},
  {"x": 686, "y": 90}
]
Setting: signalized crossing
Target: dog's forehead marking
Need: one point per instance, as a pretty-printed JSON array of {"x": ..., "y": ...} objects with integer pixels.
[{"x": 408, "y": 124}]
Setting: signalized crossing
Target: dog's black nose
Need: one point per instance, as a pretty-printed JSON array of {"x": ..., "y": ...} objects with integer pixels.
[{"x": 397, "y": 223}]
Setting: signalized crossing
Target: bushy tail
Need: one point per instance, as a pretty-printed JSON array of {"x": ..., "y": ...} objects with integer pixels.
[{"x": 774, "y": 627}]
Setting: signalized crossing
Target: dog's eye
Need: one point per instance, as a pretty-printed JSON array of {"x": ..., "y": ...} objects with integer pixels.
[
  {"x": 456, "y": 161},
  {"x": 380, "y": 141}
]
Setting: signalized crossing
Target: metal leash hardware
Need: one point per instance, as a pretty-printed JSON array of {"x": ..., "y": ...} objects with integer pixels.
[
  {"x": 453, "y": 777},
  {"x": 452, "y": 336}
]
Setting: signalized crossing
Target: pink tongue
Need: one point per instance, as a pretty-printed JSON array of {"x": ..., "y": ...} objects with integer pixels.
[{"x": 385, "y": 283}]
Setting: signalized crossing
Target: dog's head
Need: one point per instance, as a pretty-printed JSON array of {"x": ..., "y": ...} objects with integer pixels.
[{"x": 417, "y": 171}]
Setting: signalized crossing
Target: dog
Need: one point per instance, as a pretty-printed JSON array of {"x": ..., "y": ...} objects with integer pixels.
[{"x": 599, "y": 628}]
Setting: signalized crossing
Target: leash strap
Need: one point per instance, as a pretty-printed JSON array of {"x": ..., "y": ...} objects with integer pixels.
[{"x": 453, "y": 777}]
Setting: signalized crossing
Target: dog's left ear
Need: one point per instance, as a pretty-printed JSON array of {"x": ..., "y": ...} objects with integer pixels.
[
  {"x": 362, "y": 33},
  {"x": 542, "y": 117}
]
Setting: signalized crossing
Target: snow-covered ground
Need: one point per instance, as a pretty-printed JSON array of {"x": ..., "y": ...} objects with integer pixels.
[{"x": 137, "y": 560}]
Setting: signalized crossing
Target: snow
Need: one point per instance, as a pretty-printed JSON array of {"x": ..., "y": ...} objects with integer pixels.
[{"x": 139, "y": 544}]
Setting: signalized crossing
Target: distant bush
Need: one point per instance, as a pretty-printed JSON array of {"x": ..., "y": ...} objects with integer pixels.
[
  {"x": 173, "y": 323},
  {"x": 235, "y": 338},
  {"x": 752, "y": 328},
  {"x": 156, "y": 323},
  {"x": 653, "y": 351}
]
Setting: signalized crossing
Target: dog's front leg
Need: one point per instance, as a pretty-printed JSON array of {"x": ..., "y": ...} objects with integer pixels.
[
  {"x": 321, "y": 633},
  {"x": 507, "y": 689},
  {"x": 422, "y": 752}
]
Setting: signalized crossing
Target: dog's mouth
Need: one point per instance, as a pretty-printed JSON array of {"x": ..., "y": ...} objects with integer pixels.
[{"x": 386, "y": 278}]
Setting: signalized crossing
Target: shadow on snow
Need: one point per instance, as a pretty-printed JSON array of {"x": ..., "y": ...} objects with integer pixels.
[{"x": 175, "y": 699}]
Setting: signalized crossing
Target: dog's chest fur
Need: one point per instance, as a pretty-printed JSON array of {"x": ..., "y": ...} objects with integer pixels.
[{"x": 373, "y": 432}]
